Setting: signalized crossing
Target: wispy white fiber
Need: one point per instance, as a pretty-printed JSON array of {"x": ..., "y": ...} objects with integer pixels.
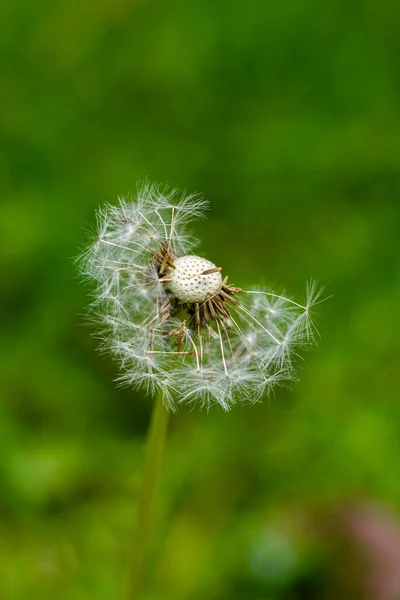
[{"x": 181, "y": 328}]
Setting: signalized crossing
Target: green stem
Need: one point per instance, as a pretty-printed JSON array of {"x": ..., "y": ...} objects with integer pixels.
[{"x": 145, "y": 509}]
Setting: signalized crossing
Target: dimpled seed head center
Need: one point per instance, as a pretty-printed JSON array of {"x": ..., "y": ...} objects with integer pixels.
[{"x": 187, "y": 282}]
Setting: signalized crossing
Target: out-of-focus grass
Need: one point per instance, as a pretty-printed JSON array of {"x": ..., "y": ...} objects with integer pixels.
[{"x": 287, "y": 117}]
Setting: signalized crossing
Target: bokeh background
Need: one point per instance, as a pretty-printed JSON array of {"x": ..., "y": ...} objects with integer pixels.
[{"x": 287, "y": 117}]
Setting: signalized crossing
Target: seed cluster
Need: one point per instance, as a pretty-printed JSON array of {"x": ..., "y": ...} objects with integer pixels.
[{"x": 172, "y": 320}]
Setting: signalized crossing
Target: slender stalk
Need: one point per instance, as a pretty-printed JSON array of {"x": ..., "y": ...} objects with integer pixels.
[{"x": 145, "y": 510}]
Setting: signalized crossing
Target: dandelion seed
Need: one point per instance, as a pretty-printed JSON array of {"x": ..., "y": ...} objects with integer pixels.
[{"x": 171, "y": 317}]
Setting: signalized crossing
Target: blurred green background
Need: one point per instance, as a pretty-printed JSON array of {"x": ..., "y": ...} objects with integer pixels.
[{"x": 287, "y": 117}]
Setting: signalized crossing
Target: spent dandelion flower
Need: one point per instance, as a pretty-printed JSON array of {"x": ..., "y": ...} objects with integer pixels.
[
  {"x": 179, "y": 328},
  {"x": 173, "y": 319}
]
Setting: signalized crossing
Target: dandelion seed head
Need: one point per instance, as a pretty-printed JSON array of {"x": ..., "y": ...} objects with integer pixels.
[{"x": 171, "y": 318}]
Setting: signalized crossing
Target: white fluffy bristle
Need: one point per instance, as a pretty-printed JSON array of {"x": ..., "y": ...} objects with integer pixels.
[{"x": 189, "y": 284}]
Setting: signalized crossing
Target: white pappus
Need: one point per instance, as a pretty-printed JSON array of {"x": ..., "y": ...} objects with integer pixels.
[{"x": 172, "y": 318}]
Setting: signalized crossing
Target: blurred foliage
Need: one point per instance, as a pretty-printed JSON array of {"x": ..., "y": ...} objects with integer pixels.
[{"x": 286, "y": 115}]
